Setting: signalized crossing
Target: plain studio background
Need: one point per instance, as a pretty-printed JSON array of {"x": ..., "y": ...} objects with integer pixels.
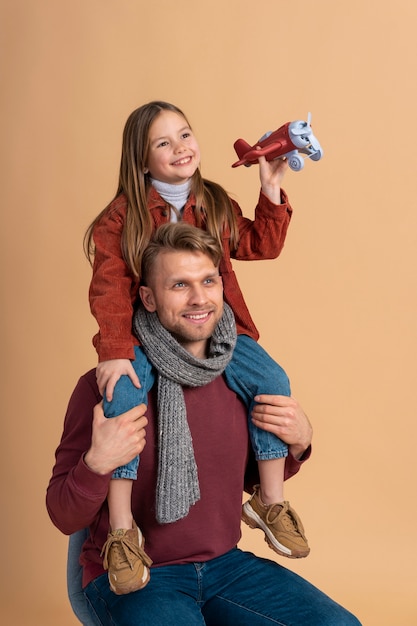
[{"x": 337, "y": 309}]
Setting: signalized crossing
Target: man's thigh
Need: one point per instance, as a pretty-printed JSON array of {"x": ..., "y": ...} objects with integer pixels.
[
  {"x": 261, "y": 592},
  {"x": 161, "y": 603},
  {"x": 237, "y": 589}
]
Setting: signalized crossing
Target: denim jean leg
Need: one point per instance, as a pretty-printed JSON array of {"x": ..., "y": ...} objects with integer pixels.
[
  {"x": 125, "y": 397},
  {"x": 251, "y": 372},
  {"x": 251, "y": 591},
  {"x": 237, "y": 588},
  {"x": 171, "y": 598}
]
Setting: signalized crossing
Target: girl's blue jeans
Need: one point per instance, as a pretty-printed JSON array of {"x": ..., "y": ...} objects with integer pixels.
[
  {"x": 235, "y": 589},
  {"x": 250, "y": 372}
]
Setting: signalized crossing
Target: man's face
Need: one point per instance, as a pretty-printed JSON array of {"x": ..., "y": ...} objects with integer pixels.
[{"x": 186, "y": 291}]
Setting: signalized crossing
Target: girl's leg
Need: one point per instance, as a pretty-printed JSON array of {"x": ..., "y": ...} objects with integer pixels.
[
  {"x": 252, "y": 372},
  {"x": 127, "y": 563},
  {"x": 125, "y": 397},
  {"x": 271, "y": 479},
  {"x": 119, "y": 500}
]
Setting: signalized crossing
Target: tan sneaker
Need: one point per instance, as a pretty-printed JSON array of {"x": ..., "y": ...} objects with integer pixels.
[
  {"x": 127, "y": 562},
  {"x": 283, "y": 529}
]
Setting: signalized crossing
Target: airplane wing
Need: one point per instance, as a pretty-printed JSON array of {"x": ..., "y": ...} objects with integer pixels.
[{"x": 251, "y": 156}]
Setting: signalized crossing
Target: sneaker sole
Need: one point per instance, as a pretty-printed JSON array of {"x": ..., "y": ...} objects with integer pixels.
[
  {"x": 252, "y": 519},
  {"x": 121, "y": 591}
]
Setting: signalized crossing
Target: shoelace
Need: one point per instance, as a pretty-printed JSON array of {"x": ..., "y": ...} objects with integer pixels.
[
  {"x": 287, "y": 517},
  {"x": 122, "y": 546}
]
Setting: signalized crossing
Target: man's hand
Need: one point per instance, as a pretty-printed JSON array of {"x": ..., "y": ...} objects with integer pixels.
[
  {"x": 284, "y": 417},
  {"x": 109, "y": 372},
  {"x": 116, "y": 440}
]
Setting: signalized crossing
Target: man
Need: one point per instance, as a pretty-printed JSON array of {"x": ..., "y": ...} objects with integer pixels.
[{"x": 199, "y": 576}]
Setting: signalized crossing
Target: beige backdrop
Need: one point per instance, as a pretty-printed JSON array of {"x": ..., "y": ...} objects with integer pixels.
[{"x": 337, "y": 309}]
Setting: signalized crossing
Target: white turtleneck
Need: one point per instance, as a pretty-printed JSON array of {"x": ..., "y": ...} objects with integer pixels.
[{"x": 175, "y": 195}]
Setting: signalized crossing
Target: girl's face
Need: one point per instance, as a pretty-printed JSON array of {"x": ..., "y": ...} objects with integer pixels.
[{"x": 173, "y": 154}]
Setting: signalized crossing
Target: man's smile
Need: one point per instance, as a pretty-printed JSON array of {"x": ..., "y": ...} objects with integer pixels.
[{"x": 198, "y": 317}]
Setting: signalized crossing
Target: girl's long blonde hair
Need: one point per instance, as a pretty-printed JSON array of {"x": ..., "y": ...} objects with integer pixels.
[{"x": 212, "y": 202}]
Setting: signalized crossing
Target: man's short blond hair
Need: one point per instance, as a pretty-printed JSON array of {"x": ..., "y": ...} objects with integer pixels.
[{"x": 176, "y": 238}]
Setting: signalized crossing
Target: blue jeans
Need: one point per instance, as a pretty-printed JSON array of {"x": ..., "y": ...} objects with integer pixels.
[
  {"x": 250, "y": 372},
  {"x": 235, "y": 589},
  {"x": 125, "y": 397}
]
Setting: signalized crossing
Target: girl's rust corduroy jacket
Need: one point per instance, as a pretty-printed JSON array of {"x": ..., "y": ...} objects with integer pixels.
[{"x": 114, "y": 291}]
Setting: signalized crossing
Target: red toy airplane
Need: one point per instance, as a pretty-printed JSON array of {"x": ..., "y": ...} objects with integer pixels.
[{"x": 290, "y": 141}]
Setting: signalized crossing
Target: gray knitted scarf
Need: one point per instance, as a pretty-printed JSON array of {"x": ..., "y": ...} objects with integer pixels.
[{"x": 177, "y": 484}]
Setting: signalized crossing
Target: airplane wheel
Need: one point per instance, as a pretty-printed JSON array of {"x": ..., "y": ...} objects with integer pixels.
[{"x": 295, "y": 162}]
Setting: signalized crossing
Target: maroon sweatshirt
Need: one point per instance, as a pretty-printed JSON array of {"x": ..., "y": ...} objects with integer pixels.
[{"x": 76, "y": 496}]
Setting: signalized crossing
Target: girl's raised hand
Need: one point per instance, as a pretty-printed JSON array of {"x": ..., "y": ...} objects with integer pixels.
[
  {"x": 109, "y": 372},
  {"x": 271, "y": 174}
]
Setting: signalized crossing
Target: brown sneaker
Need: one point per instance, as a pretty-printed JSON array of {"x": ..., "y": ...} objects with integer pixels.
[
  {"x": 283, "y": 529},
  {"x": 127, "y": 562}
]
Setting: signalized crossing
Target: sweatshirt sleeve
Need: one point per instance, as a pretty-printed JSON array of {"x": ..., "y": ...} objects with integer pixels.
[
  {"x": 263, "y": 237},
  {"x": 75, "y": 493},
  {"x": 113, "y": 289}
]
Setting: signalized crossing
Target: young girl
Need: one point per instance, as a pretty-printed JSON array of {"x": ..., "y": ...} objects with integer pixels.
[{"x": 160, "y": 181}]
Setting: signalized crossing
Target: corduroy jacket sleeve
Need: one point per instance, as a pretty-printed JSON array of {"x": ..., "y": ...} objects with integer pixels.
[
  {"x": 264, "y": 236},
  {"x": 113, "y": 290}
]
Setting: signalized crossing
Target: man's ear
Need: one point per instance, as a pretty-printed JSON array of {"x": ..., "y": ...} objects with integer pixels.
[{"x": 148, "y": 300}]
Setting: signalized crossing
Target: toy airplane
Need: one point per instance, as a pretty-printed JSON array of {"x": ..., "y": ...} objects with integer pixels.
[{"x": 290, "y": 141}]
